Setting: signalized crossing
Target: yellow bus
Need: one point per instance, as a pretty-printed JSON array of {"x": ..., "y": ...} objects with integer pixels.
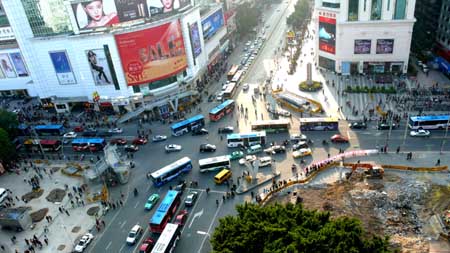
[{"x": 222, "y": 176}]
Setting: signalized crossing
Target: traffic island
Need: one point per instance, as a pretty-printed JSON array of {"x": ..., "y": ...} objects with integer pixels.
[{"x": 314, "y": 86}]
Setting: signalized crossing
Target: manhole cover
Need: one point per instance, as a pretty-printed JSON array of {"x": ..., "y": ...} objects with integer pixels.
[
  {"x": 76, "y": 229},
  {"x": 61, "y": 247}
]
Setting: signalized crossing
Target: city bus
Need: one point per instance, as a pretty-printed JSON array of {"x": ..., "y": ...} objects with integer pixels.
[
  {"x": 237, "y": 77},
  {"x": 214, "y": 163},
  {"x": 429, "y": 122},
  {"x": 171, "y": 171},
  {"x": 167, "y": 241},
  {"x": 32, "y": 145},
  {"x": 88, "y": 144},
  {"x": 221, "y": 110},
  {"x": 232, "y": 72},
  {"x": 49, "y": 129},
  {"x": 230, "y": 90},
  {"x": 187, "y": 125},
  {"x": 319, "y": 124},
  {"x": 246, "y": 139},
  {"x": 165, "y": 211},
  {"x": 51, "y": 145},
  {"x": 272, "y": 126}
]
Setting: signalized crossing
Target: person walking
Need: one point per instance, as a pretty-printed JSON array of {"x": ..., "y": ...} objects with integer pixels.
[{"x": 438, "y": 163}]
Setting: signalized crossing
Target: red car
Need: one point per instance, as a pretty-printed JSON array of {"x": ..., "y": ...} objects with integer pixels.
[
  {"x": 78, "y": 129},
  {"x": 181, "y": 217},
  {"x": 118, "y": 141},
  {"x": 80, "y": 148},
  {"x": 339, "y": 138},
  {"x": 147, "y": 245},
  {"x": 140, "y": 141}
]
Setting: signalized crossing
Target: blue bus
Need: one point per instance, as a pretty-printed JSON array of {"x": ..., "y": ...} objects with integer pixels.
[
  {"x": 187, "y": 125},
  {"x": 171, "y": 171},
  {"x": 247, "y": 139},
  {"x": 221, "y": 110},
  {"x": 88, "y": 144},
  {"x": 49, "y": 129},
  {"x": 165, "y": 211},
  {"x": 429, "y": 122}
]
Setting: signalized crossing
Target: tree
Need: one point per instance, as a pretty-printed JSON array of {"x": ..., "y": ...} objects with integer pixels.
[
  {"x": 9, "y": 122},
  {"x": 302, "y": 12},
  {"x": 291, "y": 228},
  {"x": 247, "y": 18},
  {"x": 7, "y": 150}
]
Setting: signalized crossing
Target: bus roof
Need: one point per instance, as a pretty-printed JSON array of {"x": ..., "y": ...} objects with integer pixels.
[
  {"x": 221, "y": 173},
  {"x": 221, "y": 106},
  {"x": 50, "y": 142},
  {"x": 186, "y": 121},
  {"x": 291, "y": 98},
  {"x": 213, "y": 160},
  {"x": 233, "y": 69},
  {"x": 246, "y": 135},
  {"x": 88, "y": 140},
  {"x": 41, "y": 127},
  {"x": 230, "y": 87},
  {"x": 271, "y": 122},
  {"x": 166, "y": 203},
  {"x": 165, "y": 238},
  {"x": 169, "y": 167},
  {"x": 427, "y": 118},
  {"x": 237, "y": 76},
  {"x": 326, "y": 119}
]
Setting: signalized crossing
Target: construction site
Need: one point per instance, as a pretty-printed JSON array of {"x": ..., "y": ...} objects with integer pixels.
[{"x": 410, "y": 205}]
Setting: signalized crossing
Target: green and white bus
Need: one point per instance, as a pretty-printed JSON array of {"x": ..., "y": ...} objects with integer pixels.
[{"x": 272, "y": 126}]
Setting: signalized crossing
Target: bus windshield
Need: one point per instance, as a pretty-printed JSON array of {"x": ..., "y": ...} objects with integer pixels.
[
  {"x": 319, "y": 124},
  {"x": 171, "y": 171},
  {"x": 272, "y": 126},
  {"x": 214, "y": 163},
  {"x": 165, "y": 211},
  {"x": 187, "y": 125},
  {"x": 429, "y": 122}
]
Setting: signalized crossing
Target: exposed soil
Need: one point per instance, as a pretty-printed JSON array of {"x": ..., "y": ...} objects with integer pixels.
[
  {"x": 56, "y": 195},
  {"x": 76, "y": 229},
  {"x": 32, "y": 195},
  {"x": 93, "y": 210},
  {"x": 61, "y": 247},
  {"x": 38, "y": 215}
]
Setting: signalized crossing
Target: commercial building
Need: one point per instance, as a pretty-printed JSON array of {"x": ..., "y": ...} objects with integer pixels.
[
  {"x": 364, "y": 36},
  {"x": 117, "y": 55}
]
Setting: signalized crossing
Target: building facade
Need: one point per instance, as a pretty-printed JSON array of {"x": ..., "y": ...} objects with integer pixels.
[
  {"x": 110, "y": 54},
  {"x": 424, "y": 32},
  {"x": 443, "y": 35},
  {"x": 364, "y": 36}
]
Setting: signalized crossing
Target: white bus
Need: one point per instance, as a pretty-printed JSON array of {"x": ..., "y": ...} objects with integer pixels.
[
  {"x": 171, "y": 171},
  {"x": 272, "y": 126},
  {"x": 429, "y": 122},
  {"x": 168, "y": 239},
  {"x": 214, "y": 163},
  {"x": 247, "y": 139}
]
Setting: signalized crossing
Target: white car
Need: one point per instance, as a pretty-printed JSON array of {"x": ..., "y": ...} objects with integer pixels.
[
  {"x": 248, "y": 158},
  {"x": 116, "y": 130},
  {"x": 245, "y": 86},
  {"x": 219, "y": 97},
  {"x": 134, "y": 234},
  {"x": 284, "y": 113},
  {"x": 298, "y": 137},
  {"x": 158, "y": 138},
  {"x": 265, "y": 161},
  {"x": 70, "y": 135},
  {"x": 173, "y": 148},
  {"x": 84, "y": 242},
  {"x": 420, "y": 133}
]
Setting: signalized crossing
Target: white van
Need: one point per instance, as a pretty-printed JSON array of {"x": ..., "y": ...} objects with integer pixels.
[
  {"x": 3, "y": 194},
  {"x": 265, "y": 161}
]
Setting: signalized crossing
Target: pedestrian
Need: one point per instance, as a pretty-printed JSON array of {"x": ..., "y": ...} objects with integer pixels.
[
  {"x": 46, "y": 241},
  {"x": 438, "y": 163},
  {"x": 398, "y": 149},
  {"x": 60, "y": 209},
  {"x": 2, "y": 247},
  {"x": 27, "y": 242},
  {"x": 103, "y": 223},
  {"x": 67, "y": 212}
]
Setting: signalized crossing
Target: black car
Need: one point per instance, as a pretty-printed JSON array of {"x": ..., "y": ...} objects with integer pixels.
[
  {"x": 207, "y": 148},
  {"x": 104, "y": 134},
  {"x": 201, "y": 131},
  {"x": 131, "y": 148},
  {"x": 386, "y": 126},
  {"x": 226, "y": 130},
  {"x": 89, "y": 133},
  {"x": 358, "y": 125}
]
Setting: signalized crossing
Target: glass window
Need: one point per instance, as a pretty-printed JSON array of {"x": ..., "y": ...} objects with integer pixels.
[
  {"x": 376, "y": 9},
  {"x": 47, "y": 17},
  {"x": 331, "y": 5},
  {"x": 353, "y": 6},
  {"x": 400, "y": 9},
  {"x": 162, "y": 83}
]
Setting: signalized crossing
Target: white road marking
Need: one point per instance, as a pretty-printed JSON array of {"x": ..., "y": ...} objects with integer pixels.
[
  {"x": 209, "y": 228},
  {"x": 109, "y": 245},
  {"x": 121, "y": 248},
  {"x": 123, "y": 224},
  {"x": 137, "y": 203},
  {"x": 196, "y": 215}
]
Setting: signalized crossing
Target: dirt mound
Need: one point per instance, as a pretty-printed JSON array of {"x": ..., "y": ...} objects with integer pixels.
[
  {"x": 93, "y": 210},
  {"x": 32, "y": 195},
  {"x": 39, "y": 215},
  {"x": 56, "y": 195}
]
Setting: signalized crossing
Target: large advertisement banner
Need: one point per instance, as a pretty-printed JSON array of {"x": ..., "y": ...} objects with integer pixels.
[
  {"x": 95, "y": 14},
  {"x": 7, "y": 67},
  {"x": 19, "y": 64},
  {"x": 99, "y": 66},
  {"x": 157, "y": 7},
  {"x": 362, "y": 46},
  {"x": 62, "y": 67},
  {"x": 212, "y": 24},
  {"x": 152, "y": 54},
  {"x": 129, "y": 10},
  {"x": 195, "y": 39},
  {"x": 327, "y": 34},
  {"x": 385, "y": 46}
]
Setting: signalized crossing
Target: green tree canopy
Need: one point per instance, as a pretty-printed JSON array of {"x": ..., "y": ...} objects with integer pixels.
[
  {"x": 291, "y": 228},
  {"x": 302, "y": 12},
  {"x": 247, "y": 18},
  {"x": 7, "y": 150},
  {"x": 9, "y": 122}
]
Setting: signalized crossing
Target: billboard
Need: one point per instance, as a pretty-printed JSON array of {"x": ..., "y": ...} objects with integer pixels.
[
  {"x": 157, "y": 7},
  {"x": 195, "y": 39},
  {"x": 99, "y": 66},
  {"x": 327, "y": 34},
  {"x": 152, "y": 54},
  {"x": 95, "y": 14},
  {"x": 19, "y": 64},
  {"x": 62, "y": 67},
  {"x": 362, "y": 46},
  {"x": 6, "y": 66},
  {"x": 212, "y": 24},
  {"x": 385, "y": 46},
  {"x": 129, "y": 10}
]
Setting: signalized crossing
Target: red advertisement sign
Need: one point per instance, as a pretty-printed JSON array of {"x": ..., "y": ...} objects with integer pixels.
[
  {"x": 152, "y": 54},
  {"x": 327, "y": 34}
]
